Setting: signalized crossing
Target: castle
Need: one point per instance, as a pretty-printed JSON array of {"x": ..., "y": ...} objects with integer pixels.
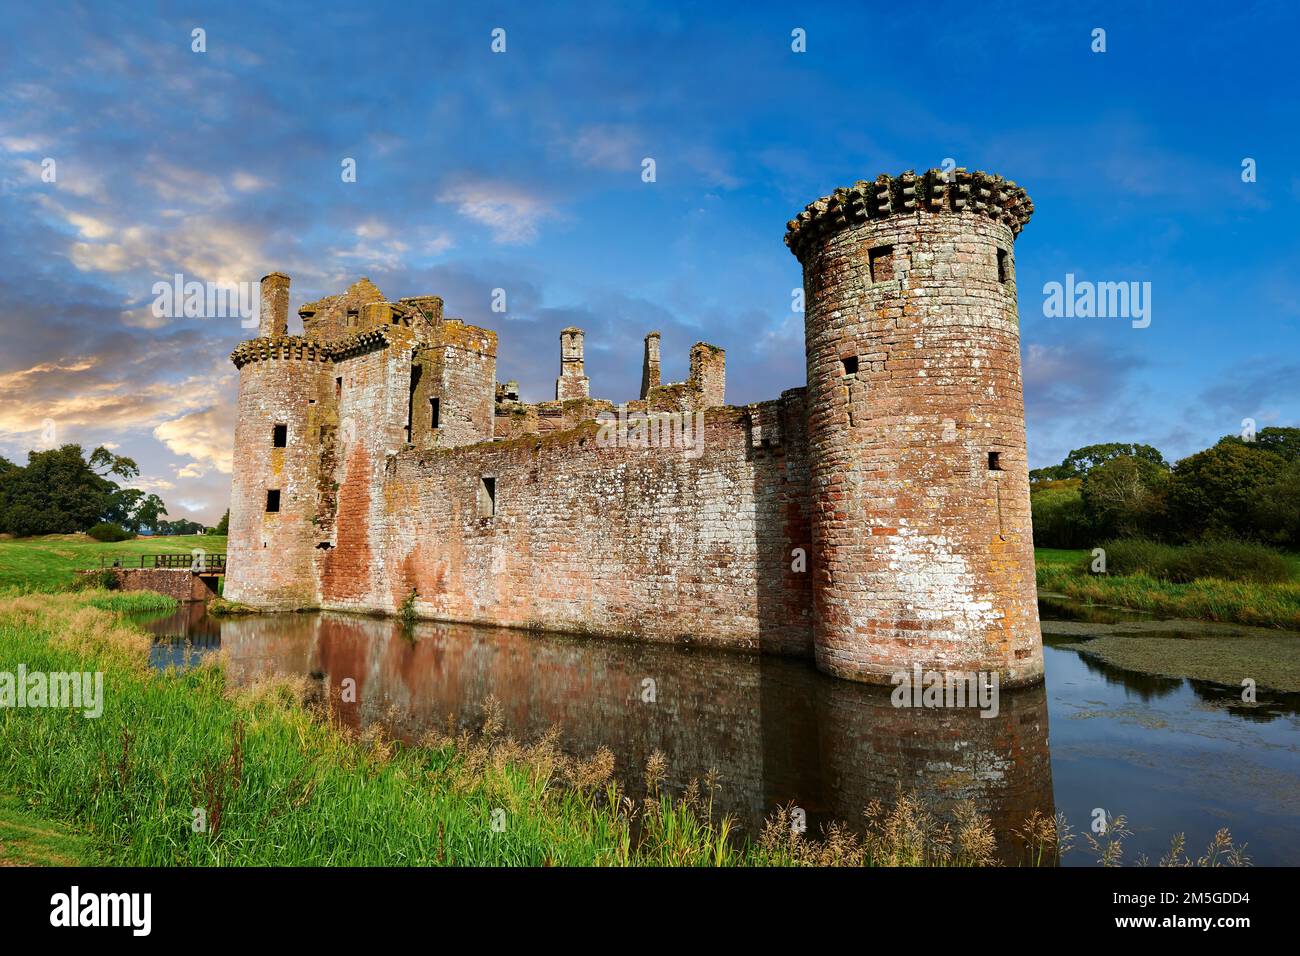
[{"x": 876, "y": 520}]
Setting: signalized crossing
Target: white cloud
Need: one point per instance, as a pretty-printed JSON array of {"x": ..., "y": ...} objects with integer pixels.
[
  {"x": 207, "y": 436},
  {"x": 247, "y": 182},
  {"x": 510, "y": 212},
  {"x": 20, "y": 144},
  {"x": 607, "y": 146}
]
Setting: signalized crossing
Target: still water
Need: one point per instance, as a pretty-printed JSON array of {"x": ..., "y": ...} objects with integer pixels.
[{"x": 1171, "y": 755}]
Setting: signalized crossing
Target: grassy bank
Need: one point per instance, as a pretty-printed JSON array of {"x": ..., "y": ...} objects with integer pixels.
[
  {"x": 47, "y": 563},
  {"x": 274, "y": 784},
  {"x": 29, "y": 840},
  {"x": 1207, "y": 599}
]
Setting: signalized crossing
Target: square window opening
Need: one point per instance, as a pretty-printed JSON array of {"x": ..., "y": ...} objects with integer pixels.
[
  {"x": 850, "y": 364},
  {"x": 995, "y": 461},
  {"x": 881, "y": 259},
  {"x": 272, "y": 500}
]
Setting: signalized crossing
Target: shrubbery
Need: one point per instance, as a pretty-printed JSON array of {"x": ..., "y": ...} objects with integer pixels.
[
  {"x": 105, "y": 531},
  {"x": 1181, "y": 564},
  {"x": 104, "y": 579}
]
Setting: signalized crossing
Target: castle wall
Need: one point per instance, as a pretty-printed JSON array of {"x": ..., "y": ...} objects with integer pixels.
[{"x": 655, "y": 543}]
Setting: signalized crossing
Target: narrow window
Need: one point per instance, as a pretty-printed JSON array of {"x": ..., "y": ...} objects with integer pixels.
[
  {"x": 850, "y": 365},
  {"x": 1002, "y": 265},
  {"x": 434, "y": 420},
  {"x": 279, "y": 436},
  {"x": 397, "y": 320},
  {"x": 272, "y": 500},
  {"x": 882, "y": 263},
  {"x": 338, "y": 387},
  {"x": 487, "y": 496},
  {"x": 352, "y": 318},
  {"x": 416, "y": 372},
  {"x": 995, "y": 461}
]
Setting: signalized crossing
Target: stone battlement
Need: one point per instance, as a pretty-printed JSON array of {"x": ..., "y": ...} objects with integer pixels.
[
  {"x": 933, "y": 191},
  {"x": 875, "y": 519}
]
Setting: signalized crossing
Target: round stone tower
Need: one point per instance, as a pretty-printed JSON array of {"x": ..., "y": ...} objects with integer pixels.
[
  {"x": 922, "y": 547},
  {"x": 274, "y": 490}
]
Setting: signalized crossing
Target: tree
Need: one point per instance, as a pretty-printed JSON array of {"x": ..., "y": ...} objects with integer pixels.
[
  {"x": 223, "y": 526},
  {"x": 1284, "y": 442},
  {"x": 147, "y": 512},
  {"x": 133, "y": 509},
  {"x": 1060, "y": 520},
  {"x": 57, "y": 493},
  {"x": 1276, "y": 511},
  {"x": 1080, "y": 461},
  {"x": 1217, "y": 491},
  {"x": 104, "y": 462},
  {"x": 61, "y": 491},
  {"x": 1125, "y": 495}
]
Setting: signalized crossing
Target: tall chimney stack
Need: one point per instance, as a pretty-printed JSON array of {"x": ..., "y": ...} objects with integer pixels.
[
  {"x": 572, "y": 382},
  {"x": 650, "y": 368}
]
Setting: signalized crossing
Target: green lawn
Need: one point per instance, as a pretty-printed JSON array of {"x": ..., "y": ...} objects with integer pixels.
[
  {"x": 27, "y": 839},
  {"x": 1060, "y": 556},
  {"x": 47, "y": 563}
]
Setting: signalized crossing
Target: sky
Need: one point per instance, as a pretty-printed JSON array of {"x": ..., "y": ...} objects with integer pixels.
[{"x": 522, "y": 170}]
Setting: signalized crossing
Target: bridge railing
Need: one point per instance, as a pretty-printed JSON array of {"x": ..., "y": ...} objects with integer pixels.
[{"x": 207, "y": 563}]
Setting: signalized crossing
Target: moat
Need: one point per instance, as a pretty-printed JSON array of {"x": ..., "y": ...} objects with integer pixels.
[{"x": 1172, "y": 755}]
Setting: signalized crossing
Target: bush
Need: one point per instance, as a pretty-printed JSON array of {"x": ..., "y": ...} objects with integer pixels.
[
  {"x": 104, "y": 579},
  {"x": 104, "y": 531},
  {"x": 1182, "y": 564}
]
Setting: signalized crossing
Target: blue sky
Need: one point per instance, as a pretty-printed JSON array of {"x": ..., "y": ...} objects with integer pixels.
[{"x": 522, "y": 171}]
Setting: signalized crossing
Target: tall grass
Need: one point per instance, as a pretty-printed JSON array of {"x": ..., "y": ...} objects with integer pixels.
[{"x": 1228, "y": 602}]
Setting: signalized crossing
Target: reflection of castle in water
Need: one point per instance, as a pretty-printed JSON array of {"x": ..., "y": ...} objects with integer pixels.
[{"x": 775, "y": 730}]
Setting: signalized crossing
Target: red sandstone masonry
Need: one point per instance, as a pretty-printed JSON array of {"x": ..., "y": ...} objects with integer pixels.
[
  {"x": 879, "y": 518},
  {"x": 645, "y": 542},
  {"x": 921, "y": 521}
]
